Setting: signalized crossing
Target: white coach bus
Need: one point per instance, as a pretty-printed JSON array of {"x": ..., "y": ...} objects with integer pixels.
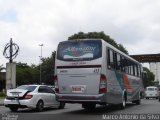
[{"x": 91, "y": 71}]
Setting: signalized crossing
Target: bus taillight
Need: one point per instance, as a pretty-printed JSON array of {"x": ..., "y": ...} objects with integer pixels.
[
  {"x": 56, "y": 84},
  {"x": 102, "y": 86}
]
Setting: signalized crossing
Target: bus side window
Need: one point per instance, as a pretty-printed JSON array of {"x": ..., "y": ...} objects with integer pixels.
[
  {"x": 139, "y": 71},
  {"x": 132, "y": 68},
  {"x": 118, "y": 64},
  {"x": 126, "y": 68},
  {"x": 129, "y": 68},
  {"x": 123, "y": 63},
  {"x": 135, "y": 69},
  {"x": 110, "y": 59}
]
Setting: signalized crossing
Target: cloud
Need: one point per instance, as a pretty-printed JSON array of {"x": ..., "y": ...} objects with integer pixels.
[{"x": 133, "y": 23}]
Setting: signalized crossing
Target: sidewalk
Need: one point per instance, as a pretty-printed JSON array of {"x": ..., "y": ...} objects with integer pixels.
[{"x": 1, "y": 102}]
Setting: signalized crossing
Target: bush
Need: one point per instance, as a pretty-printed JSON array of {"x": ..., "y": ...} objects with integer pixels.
[{"x": 2, "y": 94}]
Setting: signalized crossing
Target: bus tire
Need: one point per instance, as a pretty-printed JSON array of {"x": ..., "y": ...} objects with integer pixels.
[
  {"x": 61, "y": 105},
  {"x": 89, "y": 106},
  {"x": 138, "y": 102},
  {"x": 124, "y": 99}
]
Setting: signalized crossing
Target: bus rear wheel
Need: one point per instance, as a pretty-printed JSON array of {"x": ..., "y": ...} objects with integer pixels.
[
  {"x": 89, "y": 106},
  {"x": 61, "y": 105},
  {"x": 123, "y": 104},
  {"x": 138, "y": 102}
]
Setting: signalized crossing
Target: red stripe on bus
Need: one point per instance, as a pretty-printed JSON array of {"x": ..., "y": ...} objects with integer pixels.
[
  {"x": 127, "y": 84},
  {"x": 81, "y": 66}
]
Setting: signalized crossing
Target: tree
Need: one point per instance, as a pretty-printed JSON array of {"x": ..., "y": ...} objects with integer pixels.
[
  {"x": 98, "y": 35},
  {"x": 122, "y": 48},
  {"x": 48, "y": 69},
  {"x": 2, "y": 68},
  {"x": 148, "y": 78},
  {"x": 26, "y": 75}
]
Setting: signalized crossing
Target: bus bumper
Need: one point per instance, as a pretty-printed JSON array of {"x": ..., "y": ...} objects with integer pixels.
[{"x": 79, "y": 98}]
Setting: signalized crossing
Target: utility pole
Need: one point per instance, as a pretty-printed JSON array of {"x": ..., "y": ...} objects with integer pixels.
[{"x": 41, "y": 45}]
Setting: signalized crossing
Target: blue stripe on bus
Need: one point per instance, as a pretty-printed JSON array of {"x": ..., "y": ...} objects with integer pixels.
[{"x": 120, "y": 79}]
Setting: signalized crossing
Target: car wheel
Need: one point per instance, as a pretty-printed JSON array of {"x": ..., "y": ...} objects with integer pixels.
[
  {"x": 61, "y": 105},
  {"x": 13, "y": 109},
  {"x": 40, "y": 105}
]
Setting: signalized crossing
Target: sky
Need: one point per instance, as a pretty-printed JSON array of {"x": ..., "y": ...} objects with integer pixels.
[{"x": 133, "y": 23}]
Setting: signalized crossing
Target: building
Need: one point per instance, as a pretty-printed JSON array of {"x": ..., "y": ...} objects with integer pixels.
[{"x": 155, "y": 68}]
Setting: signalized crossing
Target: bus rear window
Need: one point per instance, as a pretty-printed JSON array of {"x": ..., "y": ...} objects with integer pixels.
[{"x": 79, "y": 50}]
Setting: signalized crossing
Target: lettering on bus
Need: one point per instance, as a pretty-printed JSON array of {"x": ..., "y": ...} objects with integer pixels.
[{"x": 79, "y": 51}]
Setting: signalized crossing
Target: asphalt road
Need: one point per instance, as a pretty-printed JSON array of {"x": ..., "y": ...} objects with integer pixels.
[{"x": 149, "y": 109}]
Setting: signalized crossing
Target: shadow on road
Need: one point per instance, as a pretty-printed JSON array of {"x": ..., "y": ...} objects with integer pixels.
[
  {"x": 99, "y": 110},
  {"x": 27, "y": 110}
]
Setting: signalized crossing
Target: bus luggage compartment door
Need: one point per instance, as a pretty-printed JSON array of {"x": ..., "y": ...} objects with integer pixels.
[{"x": 79, "y": 81}]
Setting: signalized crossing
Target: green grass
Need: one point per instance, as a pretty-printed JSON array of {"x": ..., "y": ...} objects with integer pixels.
[
  {"x": 2, "y": 95},
  {"x": 2, "y": 98}
]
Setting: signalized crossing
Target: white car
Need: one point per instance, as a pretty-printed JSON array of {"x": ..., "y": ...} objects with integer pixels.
[
  {"x": 151, "y": 92},
  {"x": 31, "y": 96}
]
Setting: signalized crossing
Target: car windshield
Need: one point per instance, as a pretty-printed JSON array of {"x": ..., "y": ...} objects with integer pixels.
[
  {"x": 150, "y": 89},
  {"x": 27, "y": 87}
]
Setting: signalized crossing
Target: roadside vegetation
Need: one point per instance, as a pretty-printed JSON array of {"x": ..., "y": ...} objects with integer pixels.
[
  {"x": 26, "y": 74},
  {"x": 2, "y": 95}
]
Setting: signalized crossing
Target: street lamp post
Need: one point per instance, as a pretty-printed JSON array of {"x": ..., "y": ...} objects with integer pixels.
[{"x": 41, "y": 45}]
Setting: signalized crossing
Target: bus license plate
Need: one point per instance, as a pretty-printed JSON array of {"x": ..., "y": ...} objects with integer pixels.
[{"x": 78, "y": 89}]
